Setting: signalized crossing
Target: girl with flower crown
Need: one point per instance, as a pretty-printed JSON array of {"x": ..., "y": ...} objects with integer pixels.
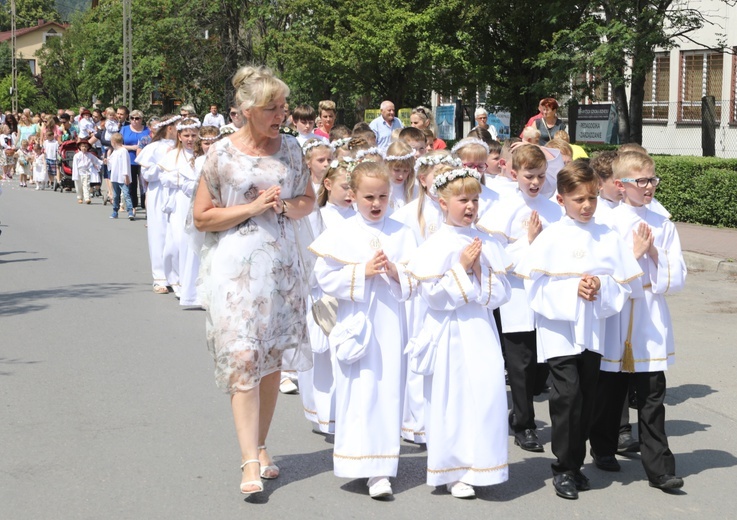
[
  {"x": 424, "y": 217},
  {"x": 461, "y": 277},
  {"x": 359, "y": 263},
  {"x": 165, "y": 135},
  {"x": 179, "y": 178},
  {"x": 317, "y": 386},
  {"x": 473, "y": 153},
  {"x": 400, "y": 159}
]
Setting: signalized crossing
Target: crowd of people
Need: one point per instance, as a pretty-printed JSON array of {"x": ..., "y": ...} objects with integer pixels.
[{"x": 394, "y": 281}]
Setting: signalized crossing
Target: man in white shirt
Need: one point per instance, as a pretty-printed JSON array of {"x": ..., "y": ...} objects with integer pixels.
[
  {"x": 385, "y": 124},
  {"x": 213, "y": 118}
]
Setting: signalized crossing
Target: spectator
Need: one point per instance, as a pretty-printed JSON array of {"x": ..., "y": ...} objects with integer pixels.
[{"x": 213, "y": 118}]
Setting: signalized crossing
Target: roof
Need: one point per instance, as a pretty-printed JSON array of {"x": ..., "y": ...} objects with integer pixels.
[{"x": 6, "y": 35}]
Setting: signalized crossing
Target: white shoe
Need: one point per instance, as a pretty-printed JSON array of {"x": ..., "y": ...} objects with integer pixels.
[
  {"x": 287, "y": 386},
  {"x": 461, "y": 490},
  {"x": 379, "y": 487}
]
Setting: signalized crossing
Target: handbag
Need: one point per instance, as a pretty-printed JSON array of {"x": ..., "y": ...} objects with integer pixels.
[{"x": 325, "y": 313}]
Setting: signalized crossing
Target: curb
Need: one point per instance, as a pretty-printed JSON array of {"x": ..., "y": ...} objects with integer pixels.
[{"x": 702, "y": 262}]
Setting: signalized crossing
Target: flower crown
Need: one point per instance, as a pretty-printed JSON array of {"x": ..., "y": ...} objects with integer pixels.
[
  {"x": 406, "y": 157},
  {"x": 313, "y": 143},
  {"x": 338, "y": 143},
  {"x": 469, "y": 140},
  {"x": 445, "y": 178},
  {"x": 434, "y": 160},
  {"x": 166, "y": 122},
  {"x": 346, "y": 162},
  {"x": 210, "y": 138},
  {"x": 360, "y": 154},
  {"x": 195, "y": 124},
  {"x": 226, "y": 130}
]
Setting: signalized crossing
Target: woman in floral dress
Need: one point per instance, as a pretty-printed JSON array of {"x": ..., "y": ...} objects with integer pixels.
[{"x": 253, "y": 184}]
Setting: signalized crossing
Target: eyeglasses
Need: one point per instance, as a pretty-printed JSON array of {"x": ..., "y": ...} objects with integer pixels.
[
  {"x": 480, "y": 167},
  {"x": 642, "y": 182}
]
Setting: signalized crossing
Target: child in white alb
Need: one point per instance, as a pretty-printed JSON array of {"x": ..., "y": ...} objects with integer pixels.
[
  {"x": 40, "y": 175},
  {"x": 359, "y": 264},
  {"x": 461, "y": 277},
  {"x": 577, "y": 273},
  {"x": 85, "y": 169},
  {"x": 400, "y": 159}
]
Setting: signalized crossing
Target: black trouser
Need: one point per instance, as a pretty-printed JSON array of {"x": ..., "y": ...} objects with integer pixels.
[
  {"x": 135, "y": 186},
  {"x": 657, "y": 459},
  {"x": 524, "y": 376},
  {"x": 611, "y": 394},
  {"x": 571, "y": 405}
]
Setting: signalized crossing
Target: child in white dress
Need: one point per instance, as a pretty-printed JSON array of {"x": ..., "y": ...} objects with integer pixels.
[
  {"x": 85, "y": 169},
  {"x": 40, "y": 176},
  {"x": 178, "y": 176},
  {"x": 400, "y": 159},
  {"x": 461, "y": 275},
  {"x": 359, "y": 265},
  {"x": 317, "y": 386},
  {"x": 424, "y": 217}
]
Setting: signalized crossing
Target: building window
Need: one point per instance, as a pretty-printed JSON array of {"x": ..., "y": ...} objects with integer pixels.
[
  {"x": 657, "y": 85},
  {"x": 51, "y": 33},
  {"x": 701, "y": 75}
]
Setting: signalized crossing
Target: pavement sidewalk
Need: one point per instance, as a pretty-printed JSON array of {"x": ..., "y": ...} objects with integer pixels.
[{"x": 707, "y": 248}]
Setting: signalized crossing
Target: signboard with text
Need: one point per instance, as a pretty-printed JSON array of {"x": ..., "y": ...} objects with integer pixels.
[{"x": 597, "y": 124}]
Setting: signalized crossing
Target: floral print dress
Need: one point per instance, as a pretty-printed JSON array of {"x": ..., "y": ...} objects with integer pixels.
[{"x": 251, "y": 279}]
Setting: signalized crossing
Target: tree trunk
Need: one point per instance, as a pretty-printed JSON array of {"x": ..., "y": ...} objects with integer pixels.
[
  {"x": 637, "y": 96},
  {"x": 620, "y": 101}
]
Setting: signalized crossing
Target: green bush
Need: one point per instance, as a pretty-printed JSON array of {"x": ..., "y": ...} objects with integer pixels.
[{"x": 701, "y": 190}]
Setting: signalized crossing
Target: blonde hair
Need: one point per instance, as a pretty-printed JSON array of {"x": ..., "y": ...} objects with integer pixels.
[
  {"x": 458, "y": 186},
  {"x": 257, "y": 87},
  {"x": 116, "y": 138},
  {"x": 529, "y": 157},
  {"x": 333, "y": 175},
  {"x": 422, "y": 172},
  {"x": 632, "y": 147},
  {"x": 628, "y": 162},
  {"x": 530, "y": 132},
  {"x": 327, "y": 105},
  {"x": 559, "y": 144},
  {"x": 399, "y": 149},
  {"x": 372, "y": 169},
  {"x": 472, "y": 152},
  {"x": 321, "y": 146}
]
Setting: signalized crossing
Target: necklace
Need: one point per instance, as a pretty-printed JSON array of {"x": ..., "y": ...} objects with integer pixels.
[{"x": 375, "y": 243}]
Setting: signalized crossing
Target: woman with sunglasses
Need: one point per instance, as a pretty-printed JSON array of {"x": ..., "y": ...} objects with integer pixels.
[{"x": 132, "y": 136}]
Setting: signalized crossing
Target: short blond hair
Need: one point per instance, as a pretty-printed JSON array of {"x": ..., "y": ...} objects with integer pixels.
[
  {"x": 529, "y": 157},
  {"x": 116, "y": 138},
  {"x": 628, "y": 162}
]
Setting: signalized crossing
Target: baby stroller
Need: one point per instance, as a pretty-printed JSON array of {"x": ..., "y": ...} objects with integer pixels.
[{"x": 67, "y": 151}]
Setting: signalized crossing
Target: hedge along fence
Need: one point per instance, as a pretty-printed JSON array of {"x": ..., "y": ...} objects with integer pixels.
[{"x": 701, "y": 190}]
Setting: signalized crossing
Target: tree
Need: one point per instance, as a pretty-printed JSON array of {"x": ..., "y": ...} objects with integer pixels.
[
  {"x": 616, "y": 41},
  {"x": 28, "y": 13},
  {"x": 28, "y": 93}
]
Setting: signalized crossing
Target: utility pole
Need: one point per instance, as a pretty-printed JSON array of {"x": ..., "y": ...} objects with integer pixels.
[
  {"x": 14, "y": 72},
  {"x": 127, "y": 55}
]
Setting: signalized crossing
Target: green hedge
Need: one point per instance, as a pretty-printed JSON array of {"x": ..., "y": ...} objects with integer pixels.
[{"x": 701, "y": 190}]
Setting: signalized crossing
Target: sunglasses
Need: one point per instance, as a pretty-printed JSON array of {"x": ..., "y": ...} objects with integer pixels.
[{"x": 135, "y": 118}]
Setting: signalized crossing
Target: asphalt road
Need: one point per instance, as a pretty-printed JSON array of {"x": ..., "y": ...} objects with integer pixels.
[{"x": 108, "y": 406}]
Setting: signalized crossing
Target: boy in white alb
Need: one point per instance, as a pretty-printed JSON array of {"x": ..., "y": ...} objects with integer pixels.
[
  {"x": 85, "y": 166},
  {"x": 119, "y": 165},
  {"x": 640, "y": 338},
  {"x": 577, "y": 273},
  {"x": 516, "y": 221}
]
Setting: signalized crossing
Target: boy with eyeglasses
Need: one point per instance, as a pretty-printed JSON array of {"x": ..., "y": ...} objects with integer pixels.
[{"x": 639, "y": 340}]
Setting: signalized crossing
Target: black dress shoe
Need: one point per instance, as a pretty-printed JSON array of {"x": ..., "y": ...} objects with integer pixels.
[
  {"x": 565, "y": 487},
  {"x": 581, "y": 481},
  {"x": 605, "y": 462},
  {"x": 527, "y": 440},
  {"x": 626, "y": 444},
  {"x": 667, "y": 482}
]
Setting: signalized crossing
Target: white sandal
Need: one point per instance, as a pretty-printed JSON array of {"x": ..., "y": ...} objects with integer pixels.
[
  {"x": 257, "y": 483},
  {"x": 272, "y": 468}
]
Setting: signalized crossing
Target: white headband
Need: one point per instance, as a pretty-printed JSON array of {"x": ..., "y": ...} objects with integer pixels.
[
  {"x": 313, "y": 144},
  {"x": 407, "y": 157},
  {"x": 434, "y": 160},
  {"x": 444, "y": 178},
  {"x": 469, "y": 140},
  {"x": 196, "y": 124},
  {"x": 166, "y": 122}
]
